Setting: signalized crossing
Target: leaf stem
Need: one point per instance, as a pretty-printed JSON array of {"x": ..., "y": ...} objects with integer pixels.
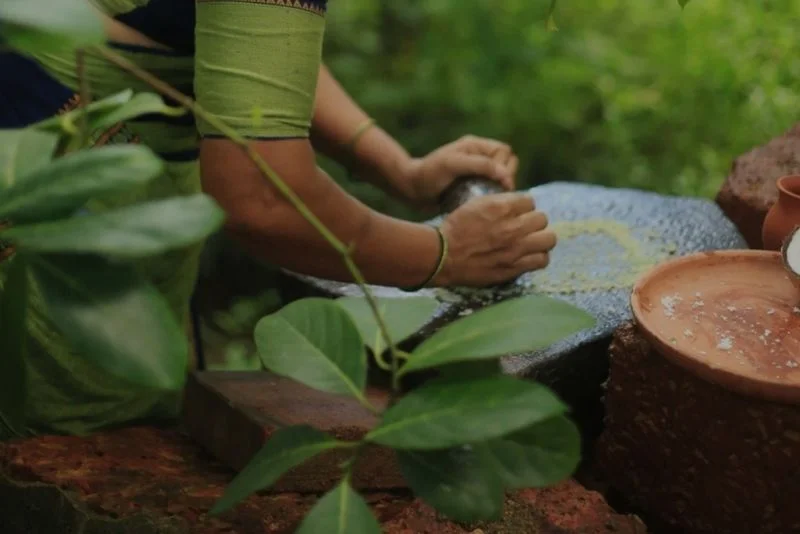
[
  {"x": 380, "y": 362},
  {"x": 6, "y": 247},
  {"x": 167, "y": 90},
  {"x": 349, "y": 464},
  {"x": 85, "y": 95},
  {"x": 368, "y": 405}
]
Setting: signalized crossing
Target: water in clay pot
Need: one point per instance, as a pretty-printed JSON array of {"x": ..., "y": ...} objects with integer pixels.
[{"x": 790, "y": 252}]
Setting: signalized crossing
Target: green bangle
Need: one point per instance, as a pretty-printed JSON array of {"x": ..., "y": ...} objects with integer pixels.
[
  {"x": 351, "y": 145},
  {"x": 360, "y": 131},
  {"x": 439, "y": 265}
]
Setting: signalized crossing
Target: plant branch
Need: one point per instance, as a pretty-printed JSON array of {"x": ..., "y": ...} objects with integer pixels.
[
  {"x": 85, "y": 96},
  {"x": 6, "y": 248},
  {"x": 348, "y": 465},
  {"x": 167, "y": 90}
]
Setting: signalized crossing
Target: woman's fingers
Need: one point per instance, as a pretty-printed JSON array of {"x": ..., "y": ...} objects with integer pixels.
[
  {"x": 501, "y": 153},
  {"x": 513, "y": 167},
  {"x": 518, "y": 203},
  {"x": 462, "y": 164},
  {"x": 482, "y": 145},
  {"x": 538, "y": 242},
  {"x": 496, "y": 238},
  {"x": 531, "y": 262},
  {"x": 531, "y": 222},
  {"x": 535, "y": 243}
]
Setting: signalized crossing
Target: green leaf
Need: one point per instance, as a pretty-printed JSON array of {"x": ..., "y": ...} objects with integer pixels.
[
  {"x": 131, "y": 232},
  {"x": 551, "y": 17},
  {"x": 471, "y": 370},
  {"x": 114, "y": 319},
  {"x": 446, "y": 413},
  {"x": 286, "y": 449},
  {"x": 517, "y": 325},
  {"x": 13, "y": 375},
  {"x": 454, "y": 481},
  {"x": 340, "y": 511},
  {"x": 110, "y": 111},
  {"x": 68, "y": 183},
  {"x": 97, "y": 108},
  {"x": 35, "y": 25},
  {"x": 683, "y": 3},
  {"x": 22, "y": 152},
  {"x": 315, "y": 342},
  {"x": 538, "y": 456},
  {"x": 403, "y": 317}
]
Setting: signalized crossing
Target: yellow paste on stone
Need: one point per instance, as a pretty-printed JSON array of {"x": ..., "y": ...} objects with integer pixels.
[{"x": 624, "y": 255}]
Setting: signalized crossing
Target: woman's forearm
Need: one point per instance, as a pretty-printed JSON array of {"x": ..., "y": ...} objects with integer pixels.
[
  {"x": 377, "y": 157},
  {"x": 388, "y": 251}
]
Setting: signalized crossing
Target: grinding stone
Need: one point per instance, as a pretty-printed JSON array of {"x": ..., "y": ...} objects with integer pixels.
[{"x": 654, "y": 222}]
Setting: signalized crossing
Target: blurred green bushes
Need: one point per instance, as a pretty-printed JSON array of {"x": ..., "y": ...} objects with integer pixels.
[{"x": 627, "y": 93}]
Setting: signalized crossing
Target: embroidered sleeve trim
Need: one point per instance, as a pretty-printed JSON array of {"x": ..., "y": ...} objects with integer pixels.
[{"x": 318, "y": 7}]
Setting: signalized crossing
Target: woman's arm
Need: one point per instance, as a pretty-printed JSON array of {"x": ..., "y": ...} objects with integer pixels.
[
  {"x": 388, "y": 251},
  {"x": 374, "y": 156},
  {"x": 267, "y": 57}
]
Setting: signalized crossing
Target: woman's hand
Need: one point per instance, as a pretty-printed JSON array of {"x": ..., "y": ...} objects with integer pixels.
[
  {"x": 494, "y": 239},
  {"x": 426, "y": 178}
]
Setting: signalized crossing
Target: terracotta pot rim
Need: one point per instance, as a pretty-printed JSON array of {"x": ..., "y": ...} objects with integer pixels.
[
  {"x": 789, "y": 185},
  {"x": 737, "y": 383}
]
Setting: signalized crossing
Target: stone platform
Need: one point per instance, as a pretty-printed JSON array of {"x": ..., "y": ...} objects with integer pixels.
[{"x": 156, "y": 481}]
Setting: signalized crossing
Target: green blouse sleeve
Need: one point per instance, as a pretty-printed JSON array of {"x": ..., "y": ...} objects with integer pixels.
[{"x": 257, "y": 63}]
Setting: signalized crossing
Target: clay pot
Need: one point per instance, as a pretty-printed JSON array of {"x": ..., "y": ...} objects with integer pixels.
[
  {"x": 784, "y": 216},
  {"x": 727, "y": 316}
]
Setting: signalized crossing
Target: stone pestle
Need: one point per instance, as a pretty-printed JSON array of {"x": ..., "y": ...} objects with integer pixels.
[{"x": 464, "y": 189}]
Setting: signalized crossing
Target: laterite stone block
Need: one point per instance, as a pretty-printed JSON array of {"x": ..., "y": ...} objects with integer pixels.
[
  {"x": 693, "y": 455},
  {"x": 233, "y": 414},
  {"x": 749, "y": 190},
  {"x": 157, "y": 481}
]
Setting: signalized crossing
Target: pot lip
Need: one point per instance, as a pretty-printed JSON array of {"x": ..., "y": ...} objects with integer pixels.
[
  {"x": 789, "y": 185},
  {"x": 742, "y": 384}
]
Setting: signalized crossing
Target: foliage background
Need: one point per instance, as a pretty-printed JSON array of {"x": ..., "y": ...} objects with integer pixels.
[{"x": 627, "y": 93}]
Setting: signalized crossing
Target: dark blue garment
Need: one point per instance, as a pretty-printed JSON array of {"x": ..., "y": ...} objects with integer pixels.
[
  {"x": 28, "y": 94},
  {"x": 169, "y": 22}
]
